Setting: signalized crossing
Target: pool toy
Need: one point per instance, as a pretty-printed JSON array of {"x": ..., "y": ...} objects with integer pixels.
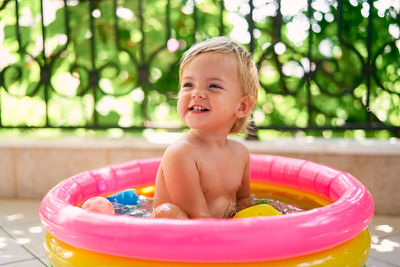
[
  {"x": 98, "y": 204},
  {"x": 256, "y": 211},
  {"x": 126, "y": 197},
  {"x": 333, "y": 234}
]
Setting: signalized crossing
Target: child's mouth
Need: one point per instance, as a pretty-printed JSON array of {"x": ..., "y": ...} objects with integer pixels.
[{"x": 198, "y": 109}]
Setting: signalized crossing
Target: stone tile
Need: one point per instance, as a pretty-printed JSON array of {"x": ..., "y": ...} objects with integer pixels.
[
  {"x": 386, "y": 249},
  {"x": 28, "y": 263},
  {"x": 20, "y": 221},
  {"x": 385, "y": 241},
  {"x": 382, "y": 226},
  {"x": 40, "y": 169},
  {"x": 29, "y": 234},
  {"x": 7, "y": 179},
  {"x": 18, "y": 212},
  {"x": 45, "y": 261},
  {"x": 372, "y": 262},
  {"x": 128, "y": 154},
  {"x": 11, "y": 251}
]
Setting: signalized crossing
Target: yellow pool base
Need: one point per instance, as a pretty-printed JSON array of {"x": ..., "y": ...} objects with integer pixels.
[{"x": 353, "y": 253}]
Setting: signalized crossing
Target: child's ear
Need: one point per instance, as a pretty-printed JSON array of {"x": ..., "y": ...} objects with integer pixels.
[{"x": 245, "y": 105}]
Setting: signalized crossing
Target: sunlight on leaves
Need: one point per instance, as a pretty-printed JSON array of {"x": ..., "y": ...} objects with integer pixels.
[{"x": 130, "y": 77}]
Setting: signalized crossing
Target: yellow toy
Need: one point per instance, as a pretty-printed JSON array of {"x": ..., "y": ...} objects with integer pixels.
[{"x": 257, "y": 210}]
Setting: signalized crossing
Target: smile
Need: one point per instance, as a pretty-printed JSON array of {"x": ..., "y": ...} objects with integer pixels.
[{"x": 198, "y": 109}]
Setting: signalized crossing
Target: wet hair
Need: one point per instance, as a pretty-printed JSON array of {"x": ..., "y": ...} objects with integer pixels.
[{"x": 246, "y": 68}]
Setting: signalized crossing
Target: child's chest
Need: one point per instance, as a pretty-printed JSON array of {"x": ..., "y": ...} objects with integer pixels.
[{"x": 220, "y": 175}]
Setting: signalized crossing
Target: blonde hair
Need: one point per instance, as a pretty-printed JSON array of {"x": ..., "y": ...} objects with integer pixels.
[{"x": 246, "y": 67}]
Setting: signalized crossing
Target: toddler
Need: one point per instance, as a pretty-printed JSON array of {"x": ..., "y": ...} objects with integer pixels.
[{"x": 205, "y": 174}]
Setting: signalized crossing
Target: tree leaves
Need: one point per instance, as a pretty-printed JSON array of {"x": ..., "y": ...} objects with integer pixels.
[{"x": 341, "y": 69}]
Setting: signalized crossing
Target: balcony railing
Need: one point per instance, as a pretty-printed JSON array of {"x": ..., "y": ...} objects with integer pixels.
[{"x": 324, "y": 65}]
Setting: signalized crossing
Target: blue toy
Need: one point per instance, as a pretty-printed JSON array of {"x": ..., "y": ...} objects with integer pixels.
[{"x": 126, "y": 197}]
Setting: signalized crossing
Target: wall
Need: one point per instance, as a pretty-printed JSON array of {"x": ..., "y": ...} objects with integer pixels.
[{"x": 30, "y": 167}]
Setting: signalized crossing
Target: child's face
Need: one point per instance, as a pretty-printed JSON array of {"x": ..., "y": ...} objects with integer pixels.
[{"x": 210, "y": 96}]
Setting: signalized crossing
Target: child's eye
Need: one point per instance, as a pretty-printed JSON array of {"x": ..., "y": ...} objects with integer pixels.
[
  {"x": 215, "y": 86},
  {"x": 187, "y": 85}
]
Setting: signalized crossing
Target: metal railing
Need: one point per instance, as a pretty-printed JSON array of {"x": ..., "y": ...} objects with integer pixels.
[{"x": 337, "y": 73}]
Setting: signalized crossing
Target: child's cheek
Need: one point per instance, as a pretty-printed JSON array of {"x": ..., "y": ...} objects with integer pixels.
[{"x": 181, "y": 107}]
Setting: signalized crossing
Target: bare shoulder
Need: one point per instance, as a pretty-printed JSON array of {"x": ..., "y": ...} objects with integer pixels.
[
  {"x": 239, "y": 149},
  {"x": 180, "y": 151}
]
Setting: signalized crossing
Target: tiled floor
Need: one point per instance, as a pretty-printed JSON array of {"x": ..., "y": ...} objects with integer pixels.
[
  {"x": 21, "y": 237},
  {"x": 21, "y": 234}
]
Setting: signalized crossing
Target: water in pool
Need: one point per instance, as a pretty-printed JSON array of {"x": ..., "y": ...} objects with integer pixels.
[{"x": 145, "y": 207}]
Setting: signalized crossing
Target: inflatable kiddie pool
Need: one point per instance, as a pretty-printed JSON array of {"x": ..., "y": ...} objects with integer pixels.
[{"x": 333, "y": 234}]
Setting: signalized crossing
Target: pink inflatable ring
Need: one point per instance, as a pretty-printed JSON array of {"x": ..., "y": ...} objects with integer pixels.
[{"x": 210, "y": 240}]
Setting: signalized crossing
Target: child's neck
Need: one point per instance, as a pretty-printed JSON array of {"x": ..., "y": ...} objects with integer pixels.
[{"x": 209, "y": 138}]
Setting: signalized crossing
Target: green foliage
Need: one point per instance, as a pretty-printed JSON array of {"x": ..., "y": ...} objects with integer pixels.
[{"x": 129, "y": 78}]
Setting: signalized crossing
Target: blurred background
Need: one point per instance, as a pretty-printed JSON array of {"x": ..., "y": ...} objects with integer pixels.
[{"x": 328, "y": 68}]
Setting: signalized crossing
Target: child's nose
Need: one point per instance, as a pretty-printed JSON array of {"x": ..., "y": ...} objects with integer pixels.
[{"x": 198, "y": 93}]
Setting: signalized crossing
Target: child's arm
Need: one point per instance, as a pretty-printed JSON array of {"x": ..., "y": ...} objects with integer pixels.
[
  {"x": 182, "y": 181},
  {"x": 243, "y": 194}
]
